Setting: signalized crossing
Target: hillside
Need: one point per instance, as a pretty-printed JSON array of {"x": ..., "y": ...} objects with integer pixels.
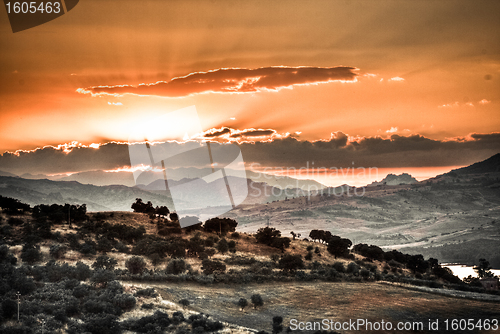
[
  {"x": 431, "y": 217},
  {"x": 490, "y": 165},
  {"x": 127, "y": 271}
]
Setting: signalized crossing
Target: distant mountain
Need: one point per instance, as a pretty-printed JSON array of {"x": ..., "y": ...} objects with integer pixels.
[
  {"x": 97, "y": 198},
  {"x": 2, "y": 173},
  {"x": 102, "y": 178},
  {"x": 395, "y": 180},
  {"x": 120, "y": 197},
  {"x": 37, "y": 176},
  {"x": 490, "y": 165}
]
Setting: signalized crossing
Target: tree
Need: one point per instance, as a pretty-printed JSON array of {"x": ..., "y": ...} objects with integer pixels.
[
  {"x": 483, "y": 269},
  {"x": 293, "y": 234},
  {"x": 339, "y": 247},
  {"x": 266, "y": 235},
  {"x": 242, "y": 303},
  {"x": 140, "y": 206},
  {"x": 135, "y": 265},
  {"x": 281, "y": 243},
  {"x": 256, "y": 300},
  {"x": 162, "y": 211},
  {"x": 290, "y": 263},
  {"x": 277, "y": 324},
  {"x": 220, "y": 225}
]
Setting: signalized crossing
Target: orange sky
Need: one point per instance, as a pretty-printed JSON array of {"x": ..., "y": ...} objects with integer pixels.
[{"x": 444, "y": 56}]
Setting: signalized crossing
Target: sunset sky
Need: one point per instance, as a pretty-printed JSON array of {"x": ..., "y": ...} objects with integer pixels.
[{"x": 384, "y": 83}]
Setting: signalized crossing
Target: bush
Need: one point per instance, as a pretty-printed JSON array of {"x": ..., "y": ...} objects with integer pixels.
[
  {"x": 81, "y": 291},
  {"x": 9, "y": 308},
  {"x": 102, "y": 277},
  {"x": 15, "y": 221},
  {"x": 135, "y": 265},
  {"x": 124, "y": 301},
  {"x": 58, "y": 251},
  {"x": 352, "y": 268},
  {"x": 176, "y": 266},
  {"x": 31, "y": 254},
  {"x": 222, "y": 246},
  {"x": 88, "y": 248},
  {"x": 83, "y": 271},
  {"x": 338, "y": 266},
  {"x": 209, "y": 267},
  {"x": 184, "y": 302},
  {"x": 102, "y": 324},
  {"x": 104, "y": 262},
  {"x": 148, "y": 292}
]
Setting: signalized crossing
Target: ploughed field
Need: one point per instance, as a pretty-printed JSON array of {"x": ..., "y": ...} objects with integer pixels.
[{"x": 340, "y": 302}]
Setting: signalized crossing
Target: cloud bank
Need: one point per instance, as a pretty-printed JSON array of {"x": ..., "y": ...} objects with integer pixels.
[
  {"x": 338, "y": 151},
  {"x": 232, "y": 80}
]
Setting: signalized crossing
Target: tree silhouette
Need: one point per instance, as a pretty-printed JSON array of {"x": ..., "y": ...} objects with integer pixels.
[
  {"x": 242, "y": 303},
  {"x": 483, "y": 269}
]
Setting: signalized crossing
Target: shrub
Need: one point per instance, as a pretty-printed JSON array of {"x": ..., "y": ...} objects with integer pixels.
[
  {"x": 82, "y": 271},
  {"x": 338, "y": 266},
  {"x": 15, "y": 221},
  {"x": 176, "y": 266},
  {"x": 222, "y": 246},
  {"x": 135, "y": 265},
  {"x": 31, "y": 254},
  {"x": 184, "y": 302},
  {"x": 124, "y": 301},
  {"x": 148, "y": 292},
  {"x": 9, "y": 308},
  {"x": 104, "y": 262},
  {"x": 81, "y": 291},
  {"x": 102, "y": 277},
  {"x": 102, "y": 324},
  {"x": 353, "y": 268},
  {"x": 209, "y": 267},
  {"x": 57, "y": 251},
  {"x": 309, "y": 256},
  {"x": 88, "y": 248}
]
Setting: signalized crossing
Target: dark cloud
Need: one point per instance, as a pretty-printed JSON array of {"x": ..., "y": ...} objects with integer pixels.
[
  {"x": 232, "y": 80},
  {"x": 253, "y": 133},
  {"x": 217, "y": 133},
  {"x": 395, "y": 151}
]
